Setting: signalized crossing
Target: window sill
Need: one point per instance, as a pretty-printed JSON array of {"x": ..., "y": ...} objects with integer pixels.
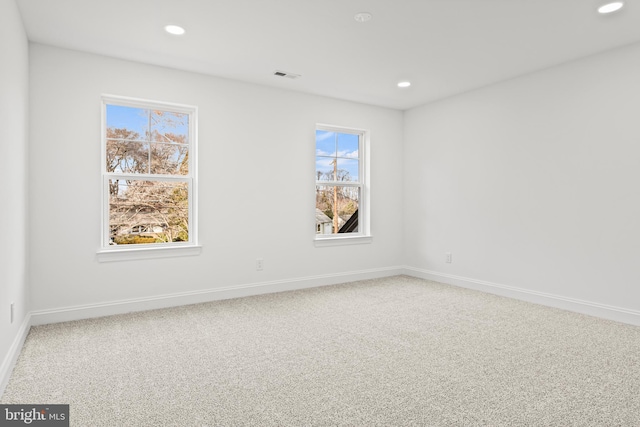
[
  {"x": 321, "y": 242},
  {"x": 110, "y": 255}
]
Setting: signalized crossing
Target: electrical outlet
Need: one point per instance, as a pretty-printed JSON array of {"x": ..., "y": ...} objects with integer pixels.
[
  {"x": 11, "y": 310},
  {"x": 259, "y": 264},
  {"x": 448, "y": 257}
]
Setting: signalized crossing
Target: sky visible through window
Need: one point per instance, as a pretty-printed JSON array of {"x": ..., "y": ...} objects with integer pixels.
[
  {"x": 138, "y": 120},
  {"x": 134, "y": 119}
]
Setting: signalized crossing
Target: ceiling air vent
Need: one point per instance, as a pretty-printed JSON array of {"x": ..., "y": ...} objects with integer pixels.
[{"x": 286, "y": 74}]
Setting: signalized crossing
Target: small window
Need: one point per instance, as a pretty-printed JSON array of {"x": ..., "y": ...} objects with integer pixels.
[
  {"x": 148, "y": 174},
  {"x": 341, "y": 185}
]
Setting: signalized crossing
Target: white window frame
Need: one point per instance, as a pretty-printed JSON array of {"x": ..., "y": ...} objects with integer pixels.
[
  {"x": 363, "y": 236},
  {"x": 108, "y": 252}
]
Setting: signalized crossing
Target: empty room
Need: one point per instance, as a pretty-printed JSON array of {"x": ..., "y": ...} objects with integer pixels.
[{"x": 337, "y": 213}]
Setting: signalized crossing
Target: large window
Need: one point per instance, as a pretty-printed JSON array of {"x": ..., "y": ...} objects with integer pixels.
[
  {"x": 148, "y": 171},
  {"x": 341, "y": 185}
]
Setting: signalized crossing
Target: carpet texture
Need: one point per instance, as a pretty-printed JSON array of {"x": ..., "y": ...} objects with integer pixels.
[{"x": 397, "y": 351}]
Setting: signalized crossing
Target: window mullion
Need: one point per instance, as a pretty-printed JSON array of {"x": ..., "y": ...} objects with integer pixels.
[
  {"x": 339, "y": 183},
  {"x": 144, "y": 141},
  {"x": 151, "y": 177}
]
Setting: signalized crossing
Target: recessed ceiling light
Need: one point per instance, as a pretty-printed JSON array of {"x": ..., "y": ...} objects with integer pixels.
[
  {"x": 611, "y": 7},
  {"x": 363, "y": 17},
  {"x": 404, "y": 84},
  {"x": 174, "y": 29}
]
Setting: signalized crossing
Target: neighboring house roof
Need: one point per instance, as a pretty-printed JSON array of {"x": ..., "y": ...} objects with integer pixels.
[
  {"x": 348, "y": 226},
  {"x": 321, "y": 217},
  {"x": 351, "y": 225}
]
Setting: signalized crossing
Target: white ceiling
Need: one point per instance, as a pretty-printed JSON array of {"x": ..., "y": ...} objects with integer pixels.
[{"x": 443, "y": 47}]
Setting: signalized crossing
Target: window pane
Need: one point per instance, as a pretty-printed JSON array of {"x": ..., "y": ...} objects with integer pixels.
[
  {"x": 167, "y": 126},
  {"x": 148, "y": 211},
  {"x": 127, "y": 157},
  {"x": 337, "y": 209},
  {"x": 127, "y": 122},
  {"x": 347, "y": 170},
  {"x": 325, "y": 143},
  {"x": 337, "y": 156},
  {"x": 348, "y": 145},
  {"x": 169, "y": 159},
  {"x": 325, "y": 168}
]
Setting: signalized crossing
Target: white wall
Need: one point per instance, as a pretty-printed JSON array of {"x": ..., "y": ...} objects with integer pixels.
[
  {"x": 532, "y": 183},
  {"x": 14, "y": 82},
  {"x": 256, "y": 167}
]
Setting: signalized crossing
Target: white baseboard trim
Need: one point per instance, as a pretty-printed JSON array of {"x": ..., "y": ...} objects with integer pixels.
[
  {"x": 65, "y": 314},
  {"x": 617, "y": 314},
  {"x": 14, "y": 351}
]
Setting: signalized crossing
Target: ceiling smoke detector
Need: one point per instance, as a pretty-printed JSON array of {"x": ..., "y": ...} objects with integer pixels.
[{"x": 286, "y": 74}]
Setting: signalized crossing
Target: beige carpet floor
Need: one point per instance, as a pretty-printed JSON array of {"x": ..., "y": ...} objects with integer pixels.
[{"x": 397, "y": 351}]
